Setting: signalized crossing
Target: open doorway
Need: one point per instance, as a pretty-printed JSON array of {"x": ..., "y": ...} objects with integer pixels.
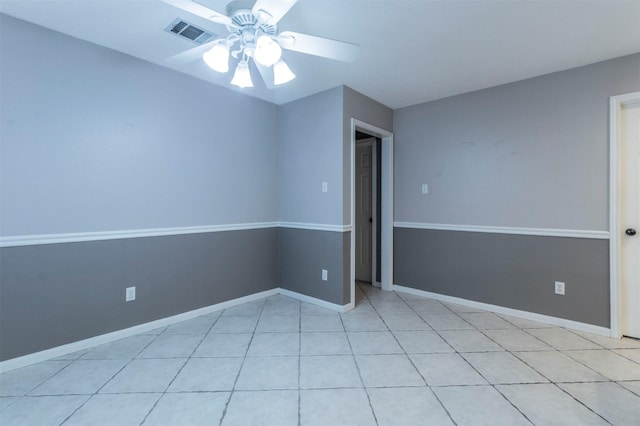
[
  {"x": 371, "y": 206},
  {"x": 367, "y": 206}
]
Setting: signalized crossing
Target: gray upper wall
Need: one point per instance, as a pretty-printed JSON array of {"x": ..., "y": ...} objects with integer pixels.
[
  {"x": 309, "y": 153},
  {"x": 365, "y": 109},
  {"x": 95, "y": 140},
  {"x": 528, "y": 154}
]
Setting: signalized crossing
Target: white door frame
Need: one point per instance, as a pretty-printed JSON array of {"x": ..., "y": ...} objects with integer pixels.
[
  {"x": 615, "y": 142},
  {"x": 386, "y": 231}
]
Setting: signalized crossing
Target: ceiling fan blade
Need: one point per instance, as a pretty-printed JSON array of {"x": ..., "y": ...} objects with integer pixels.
[
  {"x": 189, "y": 55},
  {"x": 318, "y": 46},
  {"x": 267, "y": 75},
  {"x": 271, "y": 11},
  {"x": 201, "y": 11}
]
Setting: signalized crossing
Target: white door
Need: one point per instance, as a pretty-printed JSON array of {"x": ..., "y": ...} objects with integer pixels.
[
  {"x": 364, "y": 214},
  {"x": 630, "y": 219}
]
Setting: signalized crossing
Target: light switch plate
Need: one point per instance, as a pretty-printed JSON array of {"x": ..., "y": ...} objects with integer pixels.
[
  {"x": 425, "y": 188},
  {"x": 325, "y": 187},
  {"x": 130, "y": 294}
]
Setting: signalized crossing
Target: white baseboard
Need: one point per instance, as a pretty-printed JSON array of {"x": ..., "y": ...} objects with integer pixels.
[
  {"x": 25, "y": 360},
  {"x": 315, "y": 301},
  {"x": 545, "y": 319}
]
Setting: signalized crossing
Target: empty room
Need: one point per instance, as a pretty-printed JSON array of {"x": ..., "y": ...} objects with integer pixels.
[{"x": 319, "y": 212}]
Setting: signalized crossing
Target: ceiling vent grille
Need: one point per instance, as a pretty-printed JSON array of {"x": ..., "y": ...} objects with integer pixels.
[{"x": 189, "y": 31}]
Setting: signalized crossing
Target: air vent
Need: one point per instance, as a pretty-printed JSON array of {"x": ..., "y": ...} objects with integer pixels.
[{"x": 189, "y": 31}]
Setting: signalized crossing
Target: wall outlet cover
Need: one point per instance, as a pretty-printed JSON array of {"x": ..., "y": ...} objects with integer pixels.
[
  {"x": 559, "y": 288},
  {"x": 325, "y": 275},
  {"x": 130, "y": 294}
]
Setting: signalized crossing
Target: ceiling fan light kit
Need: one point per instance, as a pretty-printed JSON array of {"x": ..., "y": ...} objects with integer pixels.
[{"x": 254, "y": 36}]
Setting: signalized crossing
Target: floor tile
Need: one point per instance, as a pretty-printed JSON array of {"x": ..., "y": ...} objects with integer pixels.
[
  {"x": 632, "y": 386},
  {"x": 363, "y": 323},
  {"x": 277, "y": 408},
  {"x": 446, "y": 322},
  {"x": 223, "y": 345},
  {"x": 125, "y": 348},
  {"x": 288, "y": 308},
  {"x": 333, "y": 343},
  {"x": 335, "y": 407},
  {"x": 145, "y": 375},
  {"x": 207, "y": 374},
  {"x": 277, "y": 324},
  {"x": 374, "y": 342},
  {"x": 525, "y": 323},
  {"x": 405, "y": 322},
  {"x": 417, "y": 342},
  {"x": 479, "y": 406},
  {"x": 469, "y": 341},
  {"x": 252, "y": 309},
  {"x": 503, "y": 367},
  {"x": 517, "y": 340},
  {"x": 446, "y": 370},
  {"x": 396, "y": 307},
  {"x": 70, "y": 357},
  {"x": 428, "y": 307},
  {"x": 310, "y": 309},
  {"x": 336, "y": 371},
  {"x": 609, "y": 343},
  {"x": 6, "y": 401},
  {"x": 266, "y": 373},
  {"x": 457, "y": 308},
  {"x": 80, "y": 377},
  {"x": 409, "y": 296},
  {"x": 235, "y": 324},
  {"x": 172, "y": 346},
  {"x": 114, "y": 410},
  {"x": 558, "y": 367},
  {"x": 616, "y": 404},
  {"x": 388, "y": 370},
  {"x": 41, "y": 410},
  {"x": 199, "y": 325},
  {"x": 274, "y": 344},
  {"x": 188, "y": 409},
  {"x": 546, "y": 404},
  {"x": 608, "y": 363},
  {"x": 562, "y": 339},
  {"x": 322, "y": 323},
  {"x": 632, "y": 354},
  {"x": 486, "y": 321},
  {"x": 19, "y": 382},
  {"x": 361, "y": 308},
  {"x": 407, "y": 407}
]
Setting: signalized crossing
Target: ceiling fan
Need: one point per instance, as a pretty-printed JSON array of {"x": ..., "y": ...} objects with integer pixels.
[{"x": 254, "y": 36}]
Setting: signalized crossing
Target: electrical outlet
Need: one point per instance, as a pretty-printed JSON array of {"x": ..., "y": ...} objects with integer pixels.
[
  {"x": 130, "y": 294},
  {"x": 325, "y": 187},
  {"x": 325, "y": 275},
  {"x": 559, "y": 285},
  {"x": 425, "y": 188}
]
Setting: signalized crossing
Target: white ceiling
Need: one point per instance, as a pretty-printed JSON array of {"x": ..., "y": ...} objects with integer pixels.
[{"x": 412, "y": 51}]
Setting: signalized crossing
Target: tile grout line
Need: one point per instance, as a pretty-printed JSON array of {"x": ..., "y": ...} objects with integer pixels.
[
  {"x": 181, "y": 368},
  {"x": 244, "y": 359}
]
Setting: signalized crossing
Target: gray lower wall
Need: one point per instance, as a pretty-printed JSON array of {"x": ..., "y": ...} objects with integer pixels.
[
  {"x": 303, "y": 253},
  {"x": 514, "y": 271},
  {"x": 56, "y": 294}
]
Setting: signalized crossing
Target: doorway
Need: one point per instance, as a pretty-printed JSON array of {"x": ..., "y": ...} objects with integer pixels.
[
  {"x": 625, "y": 215},
  {"x": 380, "y": 243},
  {"x": 366, "y": 219}
]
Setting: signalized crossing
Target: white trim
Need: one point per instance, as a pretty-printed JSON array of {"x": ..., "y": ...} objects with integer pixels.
[
  {"x": 615, "y": 105},
  {"x": 544, "y": 232},
  {"x": 314, "y": 301},
  {"x": 315, "y": 226},
  {"x": 75, "y": 237},
  {"x": 29, "y": 240},
  {"x": 545, "y": 319},
  {"x": 386, "y": 234},
  {"x": 91, "y": 342}
]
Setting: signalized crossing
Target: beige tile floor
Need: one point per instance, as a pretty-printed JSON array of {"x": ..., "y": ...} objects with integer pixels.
[{"x": 396, "y": 359}]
